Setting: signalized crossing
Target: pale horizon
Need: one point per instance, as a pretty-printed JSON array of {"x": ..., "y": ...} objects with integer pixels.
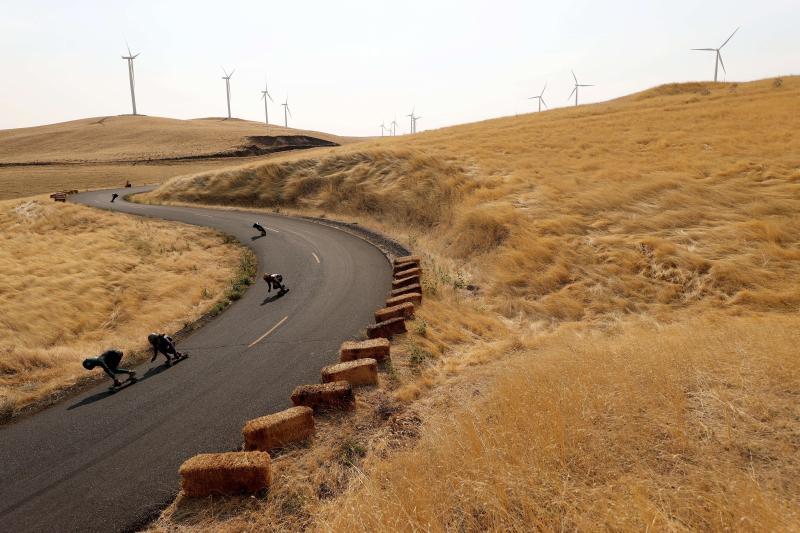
[{"x": 349, "y": 66}]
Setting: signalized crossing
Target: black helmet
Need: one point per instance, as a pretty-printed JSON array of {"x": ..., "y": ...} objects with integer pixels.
[
  {"x": 153, "y": 338},
  {"x": 89, "y": 364}
]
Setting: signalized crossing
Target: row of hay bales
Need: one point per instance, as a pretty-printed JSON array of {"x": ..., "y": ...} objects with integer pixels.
[{"x": 250, "y": 471}]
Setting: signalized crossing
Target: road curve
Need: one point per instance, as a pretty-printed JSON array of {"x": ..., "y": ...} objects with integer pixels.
[{"x": 103, "y": 462}]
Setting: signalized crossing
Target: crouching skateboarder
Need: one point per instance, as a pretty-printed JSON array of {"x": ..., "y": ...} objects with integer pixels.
[
  {"x": 275, "y": 281},
  {"x": 164, "y": 344},
  {"x": 109, "y": 362},
  {"x": 260, "y": 228}
]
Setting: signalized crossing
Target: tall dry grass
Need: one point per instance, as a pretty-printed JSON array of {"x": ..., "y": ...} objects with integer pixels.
[
  {"x": 635, "y": 263},
  {"x": 75, "y": 281}
]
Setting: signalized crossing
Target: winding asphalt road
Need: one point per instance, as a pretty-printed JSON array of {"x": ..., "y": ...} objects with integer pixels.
[{"x": 107, "y": 462}]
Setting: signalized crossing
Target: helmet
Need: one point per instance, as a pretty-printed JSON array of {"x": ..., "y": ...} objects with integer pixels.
[
  {"x": 153, "y": 338},
  {"x": 89, "y": 364}
]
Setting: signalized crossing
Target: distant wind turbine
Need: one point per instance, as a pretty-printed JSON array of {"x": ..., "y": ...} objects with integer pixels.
[
  {"x": 718, "y": 60},
  {"x": 540, "y": 98},
  {"x": 286, "y": 110},
  {"x": 227, "y": 78},
  {"x": 131, "y": 78},
  {"x": 411, "y": 117},
  {"x": 384, "y": 129},
  {"x": 394, "y": 126},
  {"x": 575, "y": 90},
  {"x": 264, "y": 95},
  {"x": 414, "y": 120}
]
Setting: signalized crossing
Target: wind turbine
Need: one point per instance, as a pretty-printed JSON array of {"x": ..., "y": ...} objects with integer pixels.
[
  {"x": 227, "y": 78},
  {"x": 540, "y": 98},
  {"x": 384, "y": 129},
  {"x": 130, "y": 57},
  {"x": 411, "y": 117},
  {"x": 575, "y": 90},
  {"x": 264, "y": 95},
  {"x": 394, "y": 126},
  {"x": 718, "y": 60},
  {"x": 286, "y": 110},
  {"x": 414, "y": 120}
]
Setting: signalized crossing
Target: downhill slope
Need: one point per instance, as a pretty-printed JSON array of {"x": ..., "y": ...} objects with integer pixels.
[
  {"x": 135, "y": 138},
  {"x": 611, "y": 319}
]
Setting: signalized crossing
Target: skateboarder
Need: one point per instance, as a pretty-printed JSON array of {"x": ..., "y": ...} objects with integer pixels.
[
  {"x": 274, "y": 281},
  {"x": 114, "y": 196},
  {"x": 164, "y": 344},
  {"x": 109, "y": 362},
  {"x": 260, "y": 228}
]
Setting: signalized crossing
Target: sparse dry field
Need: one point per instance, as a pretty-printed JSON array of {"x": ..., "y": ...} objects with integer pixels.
[
  {"x": 75, "y": 281},
  {"x": 107, "y": 151},
  {"x": 629, "y": 361}
]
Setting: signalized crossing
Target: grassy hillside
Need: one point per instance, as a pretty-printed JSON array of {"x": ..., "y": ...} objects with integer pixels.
[
  {"x": 107, "y": 151},
  {"x": 611, "y": 322},
  {"x": 75, "y": 280}
]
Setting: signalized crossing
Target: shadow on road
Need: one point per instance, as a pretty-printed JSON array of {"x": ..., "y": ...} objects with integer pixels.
[
  {"x": 256, "y": 237},
  {"x": 152, "y": 371},
  {"x": 270, "y": 299}
]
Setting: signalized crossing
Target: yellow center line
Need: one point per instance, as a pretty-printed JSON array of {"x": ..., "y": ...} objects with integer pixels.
[
  {"x": 284, "y": 319},
  {"x": 315, "y": 256}
]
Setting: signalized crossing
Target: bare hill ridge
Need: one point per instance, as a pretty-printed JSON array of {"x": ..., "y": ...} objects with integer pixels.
[{"x": 146, "y": 138}]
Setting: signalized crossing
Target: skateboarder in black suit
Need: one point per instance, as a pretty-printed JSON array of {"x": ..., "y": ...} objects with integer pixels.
[
  {"x": 114, "y": 196},
  {"x": 274, "y": 281},
  {"x": 260, "y": 228},
  {"x": 164, "y": 344},
  {"x": 109, "y": 362}
]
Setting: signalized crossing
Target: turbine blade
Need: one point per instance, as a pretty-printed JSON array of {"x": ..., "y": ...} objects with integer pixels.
[
  {"x": 137, "y": 55},
  {"x": 719, "y": 56},
  {"x": 574, "y": 76},
  {"x": 729, "y": 38},
  {"x": 545, "y": 103},
  {"x": 573, "y": 92},
  {"x": 231, "y": 74},
  {"x": 704, "y": 49},
  {"x": 543, "y": 90}
]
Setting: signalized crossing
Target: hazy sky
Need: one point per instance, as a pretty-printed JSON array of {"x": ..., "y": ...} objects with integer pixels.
[{"x": 348, "y": 65}]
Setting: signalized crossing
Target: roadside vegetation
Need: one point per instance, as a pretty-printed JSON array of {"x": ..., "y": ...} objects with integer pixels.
[
  {"x": 610, "y": 330},
  {"x": 75, "y": 281}
]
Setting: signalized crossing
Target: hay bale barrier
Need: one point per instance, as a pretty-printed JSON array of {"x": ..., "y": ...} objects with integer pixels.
[
  {"x": 414, "y": 298},
  {"x": 407, "y": 260},
  {"x": 405, "y": 282},
  {"x": 279, "y": 430},
  {"x": 228, "y": 473},
  {"x": 336, "y": 395},
  {"x": 358, "y": 372},
  {"x": 416, "y": 288},
  {"x": 414, "y": 271},
  {"x": 404, "y": 310},
  {"x": 387, "y": 329},
  {"x": 378, "y": 349}
]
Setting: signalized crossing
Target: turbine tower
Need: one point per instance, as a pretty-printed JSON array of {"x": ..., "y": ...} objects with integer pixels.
[
  {"x": 718, "y": 60},
  {"x": 540, "y": 98},
  {"x": 394, "y": 126},
  {"x": 414, "y": 120},
  {"x": 575, "y": 90},
  {"x": 130, "y": 57},
  {"x": 384, "y": 129},
  {"x": 411, "y": 119},
  {"x": 285, "y": 111},
  {"x": 264, "y": 95},
  {"x": 227, "y": 78}
]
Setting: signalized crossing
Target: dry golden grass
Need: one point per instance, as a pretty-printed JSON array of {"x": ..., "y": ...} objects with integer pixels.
[
  {"x": 637, "y": 266},
  {"x": 75, "y": 281},
  {"x": 107, "y": 151}
]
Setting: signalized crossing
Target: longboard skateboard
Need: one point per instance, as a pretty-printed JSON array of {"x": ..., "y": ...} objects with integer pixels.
[{"x": 128, "y": 382}]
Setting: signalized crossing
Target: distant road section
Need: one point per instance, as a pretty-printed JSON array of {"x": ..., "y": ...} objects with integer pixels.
[{"x": 107, "y": 462}]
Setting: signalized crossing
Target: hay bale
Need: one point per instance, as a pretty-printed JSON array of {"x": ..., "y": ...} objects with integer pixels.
[
  {"x": 406, "y": 290},
  {"x": 387, "y": 329},
  {"x": 405, "y": 282},
  {"x": 226, "y": 473},
  {"x": 407, "y": 259},
  {"x": 407, "y": 273},
  {"x": 414, "y": 298},
  {"x": 378, "y": 349},
  {"x": 358, "y": 372},
  {"x": 278, "y": 430},
  {"x": 334, "y": 395},
  {"x": 405, "y": 310}
]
